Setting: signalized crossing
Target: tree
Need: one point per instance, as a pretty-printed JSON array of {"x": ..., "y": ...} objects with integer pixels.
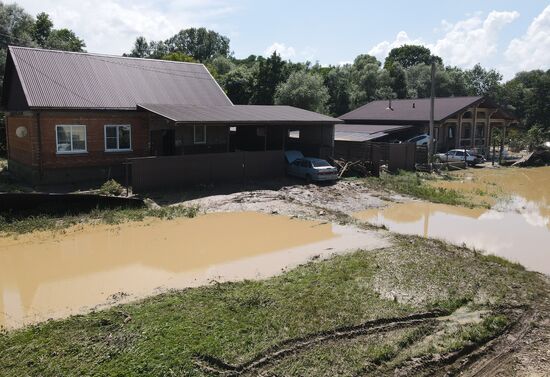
[
  {"x": 238, "y": 85},
  {"x": 365, "y": 80},
  {"x": 222, "y": 65},
  {"x": 398, "y": 80},
  {"x": 141, "y": 48},
  {"x": 64, "y": 39},
  {"x": 303, "y": 90},
  {"x": 178, "y": 57},
  {"x": 410, "y": 55},
  {"x": 269, "y": 74},
  {"x": 201, "y": 44},
  {"x": 42, "y": 28},
  {"x": 482, "y": 82},
  {"x": 338, "y": 81}
]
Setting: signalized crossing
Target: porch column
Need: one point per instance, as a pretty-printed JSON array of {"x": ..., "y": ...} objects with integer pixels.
[
  {"x": 474, "y": 126},
  {"x": 503, "y": 136},
  {"x": 488, "y": 132}
]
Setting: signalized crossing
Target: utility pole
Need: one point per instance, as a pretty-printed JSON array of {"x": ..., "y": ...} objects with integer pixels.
[{"x": 432, "y": 105}]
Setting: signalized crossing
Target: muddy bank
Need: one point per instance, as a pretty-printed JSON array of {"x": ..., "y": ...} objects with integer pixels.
[
  {"x": 52, "y": 275},
  {"x": 309, "y": 201}
]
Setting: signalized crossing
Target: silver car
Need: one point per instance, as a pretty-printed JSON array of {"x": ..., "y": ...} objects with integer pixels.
[
  {"x": 310, "y": 168},
  {"x": 457, "y": 155}
]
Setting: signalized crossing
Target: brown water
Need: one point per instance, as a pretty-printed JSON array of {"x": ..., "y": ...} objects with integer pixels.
[
  {"x": 43, "y": 275},
  {"x": 517, "y": 226}
]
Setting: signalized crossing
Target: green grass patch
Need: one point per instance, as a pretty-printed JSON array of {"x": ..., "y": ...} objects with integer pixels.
[
  {"x": 19, "y": 222},
  {"x": 415, "y": 185},
  {"x": 237, "y": 321}
]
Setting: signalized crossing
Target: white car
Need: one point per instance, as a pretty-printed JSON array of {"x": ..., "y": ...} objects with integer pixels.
[
  {"x": 309, "y": 168},
  {"x": 419, "y": 139},
  {"x": 457, "y": 155}
]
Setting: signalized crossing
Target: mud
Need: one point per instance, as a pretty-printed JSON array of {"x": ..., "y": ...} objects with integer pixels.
[
  {"x": 47, "y": 275},
  {"x": 307, "y": 201}
]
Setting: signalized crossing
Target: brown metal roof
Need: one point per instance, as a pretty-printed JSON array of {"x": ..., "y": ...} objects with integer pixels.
[
  {"x": 411, "y": 109},
  {"x": 238, "y": 114},
  {"x": 364, "y": 132},
  {"x": 59, "y": 79}
]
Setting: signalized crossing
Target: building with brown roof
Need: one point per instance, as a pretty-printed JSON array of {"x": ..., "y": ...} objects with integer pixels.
[
  {"x": 460, "y": 122},
  {"x": 81, "y": 116}
]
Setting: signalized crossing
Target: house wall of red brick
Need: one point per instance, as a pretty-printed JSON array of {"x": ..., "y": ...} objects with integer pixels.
[{"x": 36, "y": 154}]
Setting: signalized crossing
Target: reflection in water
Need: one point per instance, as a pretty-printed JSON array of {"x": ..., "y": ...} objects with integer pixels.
[
  {"x": 518, "y": 236},
  {"x": 42, "y": 275}
]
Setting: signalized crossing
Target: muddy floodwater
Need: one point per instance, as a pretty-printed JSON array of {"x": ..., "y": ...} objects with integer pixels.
[
  {"x": 51, "y": 275},
  {"x": 516, "y": 227}
]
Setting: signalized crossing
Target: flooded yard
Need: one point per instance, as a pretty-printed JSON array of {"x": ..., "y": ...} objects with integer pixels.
[
  {"x": 51, "y": 275},
  {"x": 516, "y": 227}
]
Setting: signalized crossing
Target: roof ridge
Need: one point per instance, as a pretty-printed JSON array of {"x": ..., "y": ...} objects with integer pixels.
[{"x": 10, "y": 47}]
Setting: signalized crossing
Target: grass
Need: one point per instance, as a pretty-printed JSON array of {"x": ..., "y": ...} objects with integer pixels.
[
  {"x": 236, "y": 321},
  {"x": 415, "y": 185},
  {"x": 20, "y": 223}
]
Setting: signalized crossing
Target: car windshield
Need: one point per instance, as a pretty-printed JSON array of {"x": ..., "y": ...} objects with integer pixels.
[{"x": 320, "y": 164}]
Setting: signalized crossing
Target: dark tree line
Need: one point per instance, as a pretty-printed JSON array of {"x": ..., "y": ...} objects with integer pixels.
[{"x": 335, "y": 90}]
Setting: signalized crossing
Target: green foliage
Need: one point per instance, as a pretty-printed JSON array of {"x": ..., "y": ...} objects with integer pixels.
[
  {"x": 410, "y": 55},
  {"x": 238, "y": 85},
  {"x": 303, "y": 90},
  {"x": 268, "y": 76},
  {"x": 178, "y": 57},
  {"x": 199, "y": 43},
  {"x": 111, "y": 187},
  {"x": 19, "y": 223}
]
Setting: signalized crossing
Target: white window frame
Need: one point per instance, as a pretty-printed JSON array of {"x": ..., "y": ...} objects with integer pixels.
[
  {"x": 117, "y": 149},
  {"x": 195, "y": 134},
  {"x": 72, "y": 151}
]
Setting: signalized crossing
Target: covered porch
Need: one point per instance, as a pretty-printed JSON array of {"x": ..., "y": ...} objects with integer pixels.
[
  {"x": 192, "y": 144},
  {"x": 473, "y": 128}
]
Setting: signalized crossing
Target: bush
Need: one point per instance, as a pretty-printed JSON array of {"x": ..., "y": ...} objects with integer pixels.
[{"x": 111, "y": 187}]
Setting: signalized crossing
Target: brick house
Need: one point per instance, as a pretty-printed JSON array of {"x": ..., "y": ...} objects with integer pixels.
[{"x": 79, "y": 116}]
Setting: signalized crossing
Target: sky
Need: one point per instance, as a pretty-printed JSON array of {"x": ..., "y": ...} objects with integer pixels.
[{"x": 506, "y": 35}]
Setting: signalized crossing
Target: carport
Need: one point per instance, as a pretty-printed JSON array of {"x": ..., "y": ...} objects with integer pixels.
[{"x": 195, "y": 144}]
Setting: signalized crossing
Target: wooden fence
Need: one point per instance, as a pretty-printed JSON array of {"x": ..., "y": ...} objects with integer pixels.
[
  {"x": 152, "y": 173},
  {"x": 396, "y": 156}
]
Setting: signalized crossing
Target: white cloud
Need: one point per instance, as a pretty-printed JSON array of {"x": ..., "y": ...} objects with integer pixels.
[
  {"x": 382, "y": 49},
  {"x": 286, "y": 52},
  {"x": 111, "y": 26},
  {"x": 464, "y": 43},
  {"x": 472, "y": 40},
  {"x": 532, "y": 50}
]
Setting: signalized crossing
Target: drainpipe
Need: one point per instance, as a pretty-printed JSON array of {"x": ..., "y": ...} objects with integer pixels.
[{"x": 39, "y": 148}]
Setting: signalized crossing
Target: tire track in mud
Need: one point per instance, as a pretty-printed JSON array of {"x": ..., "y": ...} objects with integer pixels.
[
  {"x": 474, "y": 359},
  {"x": 279, "y": 351}
]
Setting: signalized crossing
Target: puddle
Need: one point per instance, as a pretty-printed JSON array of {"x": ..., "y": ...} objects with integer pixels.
[
  {"x": 49, "y": 275},
  {"x": 517, "y": 226},
  {"x": 521, "y": 237}
]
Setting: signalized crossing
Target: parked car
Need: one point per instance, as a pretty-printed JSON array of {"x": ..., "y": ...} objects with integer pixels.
[
  {"x": 419, "y": 139},
  {"x": 457, "y": 155},
  {"x": 309, "y": 168}
]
